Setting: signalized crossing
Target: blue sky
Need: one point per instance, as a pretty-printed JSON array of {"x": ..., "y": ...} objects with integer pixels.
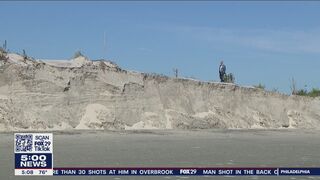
[{"x": 260, "y": 42}]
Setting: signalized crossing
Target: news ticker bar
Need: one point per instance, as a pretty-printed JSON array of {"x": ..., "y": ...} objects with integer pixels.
[
  {"x": 34, "y": 156},
  {"x": 186, "y": 171}
]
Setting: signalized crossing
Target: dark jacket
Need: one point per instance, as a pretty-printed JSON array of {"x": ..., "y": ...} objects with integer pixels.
[{"x": 222, "y": 69}]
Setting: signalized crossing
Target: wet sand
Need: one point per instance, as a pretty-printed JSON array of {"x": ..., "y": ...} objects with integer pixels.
[{"x": 164, "y": 148}]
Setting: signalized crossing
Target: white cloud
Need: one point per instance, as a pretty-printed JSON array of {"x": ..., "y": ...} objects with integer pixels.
[{"x": 283, "y": 40}]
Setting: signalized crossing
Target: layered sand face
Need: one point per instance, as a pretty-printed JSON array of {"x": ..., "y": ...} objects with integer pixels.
[{"x": 85, "y": 94}]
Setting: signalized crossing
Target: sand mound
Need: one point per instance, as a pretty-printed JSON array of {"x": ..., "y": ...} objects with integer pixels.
[
  {"x": 18, "y": 59},
  {"x": 76, "y": 62},
  {"x": 80, "y": 61},
  {"x": 96, "y": 116}
]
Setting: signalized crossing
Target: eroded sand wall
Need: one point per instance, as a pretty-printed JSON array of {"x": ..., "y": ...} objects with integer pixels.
[{"x": 36, "y": 95}]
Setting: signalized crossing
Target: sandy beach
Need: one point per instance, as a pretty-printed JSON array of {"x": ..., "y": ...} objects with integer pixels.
[{"x": 167, "y": 148}]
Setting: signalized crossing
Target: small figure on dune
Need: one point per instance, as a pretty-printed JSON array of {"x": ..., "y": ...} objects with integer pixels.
[{"x": 222, "y": 71}]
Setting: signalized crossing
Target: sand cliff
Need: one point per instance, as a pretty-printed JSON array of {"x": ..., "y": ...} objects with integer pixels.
[{"x": 85, "y": 94}]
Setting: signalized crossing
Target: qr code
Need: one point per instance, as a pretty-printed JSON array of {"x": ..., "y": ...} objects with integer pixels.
[{"x": 24, "y": 143}]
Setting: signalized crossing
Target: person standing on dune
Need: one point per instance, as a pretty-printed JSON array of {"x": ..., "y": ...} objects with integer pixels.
[{"x": 222, "y": 71}]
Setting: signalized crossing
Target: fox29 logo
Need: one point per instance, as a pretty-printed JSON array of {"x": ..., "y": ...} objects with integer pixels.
[{"x": 33, "y": 161}]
